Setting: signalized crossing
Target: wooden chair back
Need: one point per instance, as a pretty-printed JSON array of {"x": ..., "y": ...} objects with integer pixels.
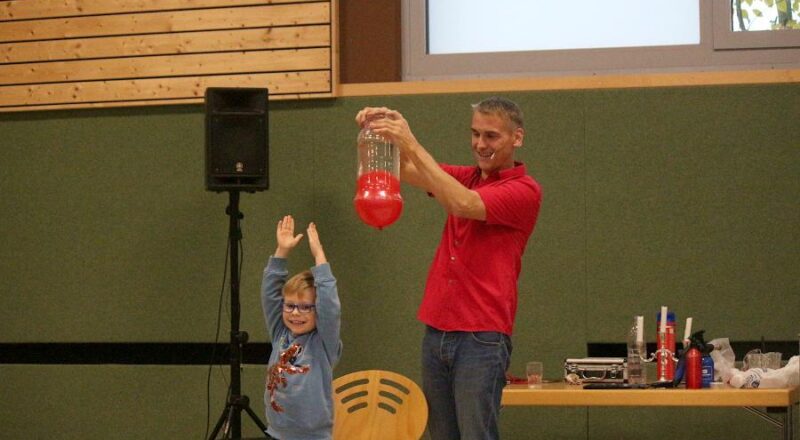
[{"x": 378, "y": 405}]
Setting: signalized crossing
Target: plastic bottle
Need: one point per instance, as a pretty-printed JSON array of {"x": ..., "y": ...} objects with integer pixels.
[
  {"x": 747, "y": 379},
  {"x": 785, "y": 377},
  {"x": 680, "y": 369},
  {"x": 668, "y": 373},
  {"x": 636, "y": 349},
  {"x": 377, "y": 201},
  {"x": 707, "y": 366}
]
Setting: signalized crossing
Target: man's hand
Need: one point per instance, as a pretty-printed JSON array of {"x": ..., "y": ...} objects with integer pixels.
[{"x": 390, "y": 124}]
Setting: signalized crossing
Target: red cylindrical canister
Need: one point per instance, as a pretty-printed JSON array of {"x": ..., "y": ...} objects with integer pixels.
[
  {"x": 694, "y": 369},
  {"x": 666, "y": 370}
]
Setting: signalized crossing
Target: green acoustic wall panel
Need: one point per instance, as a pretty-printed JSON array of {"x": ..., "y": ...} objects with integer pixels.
[
  {"x": 120, "y": 401},
  {"x": 677, "y": 196},
  {"x": 694, "y": 204}
]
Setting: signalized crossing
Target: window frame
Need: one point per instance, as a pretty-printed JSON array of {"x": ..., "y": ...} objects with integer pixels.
[{"x": 418, "y": 65}]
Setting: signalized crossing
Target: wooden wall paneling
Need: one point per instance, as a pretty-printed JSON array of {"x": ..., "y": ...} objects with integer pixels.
[
  {"x": 27, "y": 9},
  {"x": 162, "y": 44},
  {"x": 285, "y": 85},
  {"x": 166, "y": 65},
  {"x": 145, "y": 52},
  {"x": 165, "y": 22}
]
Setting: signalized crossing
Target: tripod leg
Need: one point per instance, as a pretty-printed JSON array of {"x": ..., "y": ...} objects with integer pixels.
[
  {"x": 255, "y": 418},
  {"x": 223, "y": 418},
  {"x": 226, "y": 430},
  {"x": 224, "y": 422}
]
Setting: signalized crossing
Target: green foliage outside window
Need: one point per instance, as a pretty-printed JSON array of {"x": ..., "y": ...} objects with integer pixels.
[{"x": 765, "y": 15}]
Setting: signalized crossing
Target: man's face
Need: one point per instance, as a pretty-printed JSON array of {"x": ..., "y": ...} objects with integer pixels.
[{"x": 493, "y": 142}]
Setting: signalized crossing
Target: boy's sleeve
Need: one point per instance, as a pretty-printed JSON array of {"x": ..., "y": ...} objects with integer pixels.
[
  {"x": 275, "y": 274},
  {"x": 329, "y": 311}
]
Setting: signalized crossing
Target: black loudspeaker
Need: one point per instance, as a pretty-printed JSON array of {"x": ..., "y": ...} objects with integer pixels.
[{"x": 237, "y": 139}]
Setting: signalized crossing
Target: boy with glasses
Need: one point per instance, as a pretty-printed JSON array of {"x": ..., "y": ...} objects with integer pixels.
[{"x": 303, "y": 318}]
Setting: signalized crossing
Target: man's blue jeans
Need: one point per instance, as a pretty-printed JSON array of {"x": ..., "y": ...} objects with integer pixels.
[{"x": 463, "y": 375}]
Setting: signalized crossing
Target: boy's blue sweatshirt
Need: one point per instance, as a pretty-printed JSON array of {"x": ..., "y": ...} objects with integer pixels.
[{"x": 307, "y": 399}]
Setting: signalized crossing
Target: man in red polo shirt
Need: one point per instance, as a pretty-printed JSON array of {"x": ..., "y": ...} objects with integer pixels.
[{"x": 470, "y": 296}]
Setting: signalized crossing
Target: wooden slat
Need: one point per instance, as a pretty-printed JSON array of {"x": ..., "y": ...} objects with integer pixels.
[
  {"x": 160, "y": 22},
  {"x": 161, "y": 89},
  {"x": 162, "y": 44},
  {"x": 27, "y": 9},
  {"x": 182, "y": 101},
  {"x": 167, "y": 65}
]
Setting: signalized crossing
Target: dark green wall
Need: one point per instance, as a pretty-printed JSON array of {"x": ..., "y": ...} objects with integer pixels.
[{"x": 685, "y": 197}]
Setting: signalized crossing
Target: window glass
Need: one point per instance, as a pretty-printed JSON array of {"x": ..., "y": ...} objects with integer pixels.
[
  {"x": 764, "y": 15},
  {"x": 474, "y": 26},
  {"x": 756, "y": 24}
]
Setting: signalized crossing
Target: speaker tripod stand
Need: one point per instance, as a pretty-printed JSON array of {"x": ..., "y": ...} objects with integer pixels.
[{"x": 231, "y": 418}]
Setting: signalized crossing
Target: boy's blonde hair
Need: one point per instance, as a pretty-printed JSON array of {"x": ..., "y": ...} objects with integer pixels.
[{"x": 300, "y": 282}]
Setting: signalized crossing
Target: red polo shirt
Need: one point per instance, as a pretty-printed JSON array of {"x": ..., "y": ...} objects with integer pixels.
[{"x": 472, "y": 282}]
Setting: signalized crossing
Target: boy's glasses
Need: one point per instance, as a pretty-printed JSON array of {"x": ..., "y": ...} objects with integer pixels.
[{"x": 302, "y": 308}]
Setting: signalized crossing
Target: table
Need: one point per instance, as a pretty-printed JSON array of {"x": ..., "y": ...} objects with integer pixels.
[{"x": 782, "y": 400}]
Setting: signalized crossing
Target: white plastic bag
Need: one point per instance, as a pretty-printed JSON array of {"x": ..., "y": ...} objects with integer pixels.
[
  {"x": 724, "y": 359},
  {"x": 724, "y": 370},
  {"x": 784, "y": 377}
]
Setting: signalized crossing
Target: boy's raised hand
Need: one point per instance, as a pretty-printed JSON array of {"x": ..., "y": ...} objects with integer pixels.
[
  {"x": 315, "y": 245},
  {"x": 285, "y": 237}
]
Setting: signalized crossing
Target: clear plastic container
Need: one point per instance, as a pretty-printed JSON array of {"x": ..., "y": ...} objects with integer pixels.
[
  {"x": 377, "y": 201},
  {"x": 636, "y": 352}
]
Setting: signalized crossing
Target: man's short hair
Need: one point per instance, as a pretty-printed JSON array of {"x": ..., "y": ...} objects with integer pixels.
[{"x": 505, "y": 108}]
